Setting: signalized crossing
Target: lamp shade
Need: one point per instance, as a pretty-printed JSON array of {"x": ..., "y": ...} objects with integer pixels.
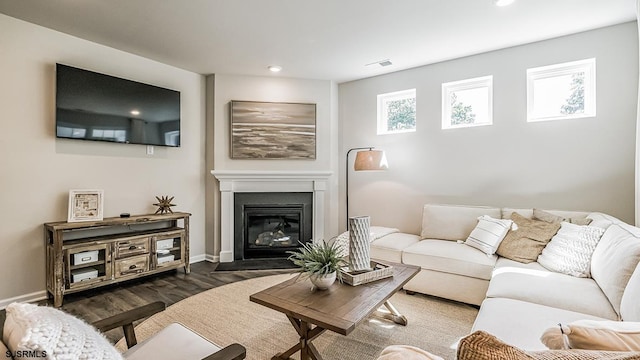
[{"x": 370, "y": 160}]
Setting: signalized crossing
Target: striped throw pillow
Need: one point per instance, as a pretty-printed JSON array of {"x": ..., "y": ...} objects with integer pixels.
[{"x": 488, "y": 234}]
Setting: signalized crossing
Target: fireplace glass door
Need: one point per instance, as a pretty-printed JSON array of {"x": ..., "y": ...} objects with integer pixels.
[{"x": 271, "y": 230}]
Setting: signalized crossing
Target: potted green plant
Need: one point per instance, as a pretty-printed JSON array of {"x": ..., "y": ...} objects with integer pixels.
[{"x": 320, "y": 261}]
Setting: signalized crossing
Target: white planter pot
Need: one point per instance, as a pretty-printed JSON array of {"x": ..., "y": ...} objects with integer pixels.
[{"x": 323, "y": 282}]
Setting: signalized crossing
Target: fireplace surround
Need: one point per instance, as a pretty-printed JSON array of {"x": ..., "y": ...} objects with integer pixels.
[{"x": 243, "y": 181}]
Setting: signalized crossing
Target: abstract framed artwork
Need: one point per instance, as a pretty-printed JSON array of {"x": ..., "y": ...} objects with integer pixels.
[{"x": 273, "y": 130}]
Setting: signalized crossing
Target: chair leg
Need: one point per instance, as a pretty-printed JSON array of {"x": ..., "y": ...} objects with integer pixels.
[{"x": 129, "y": 335}]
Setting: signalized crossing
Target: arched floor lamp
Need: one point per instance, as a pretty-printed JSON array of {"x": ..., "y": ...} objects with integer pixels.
[{"x": 369, "y": 159}]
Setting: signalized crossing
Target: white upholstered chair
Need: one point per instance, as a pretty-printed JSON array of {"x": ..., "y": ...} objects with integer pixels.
[{"x": 40, "y": 331}]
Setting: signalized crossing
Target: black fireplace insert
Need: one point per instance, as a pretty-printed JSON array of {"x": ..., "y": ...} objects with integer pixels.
[{"x": 267, "y": 225}]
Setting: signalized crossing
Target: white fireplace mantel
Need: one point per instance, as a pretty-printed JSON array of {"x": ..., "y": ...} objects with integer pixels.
[{"x": 233, "y": 181}]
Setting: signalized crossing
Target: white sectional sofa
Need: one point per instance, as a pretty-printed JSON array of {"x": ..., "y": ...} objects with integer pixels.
[{"x": 518, "y": 301}]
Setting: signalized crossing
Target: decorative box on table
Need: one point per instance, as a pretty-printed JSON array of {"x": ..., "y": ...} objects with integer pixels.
[{"x": 379, "y": 271}]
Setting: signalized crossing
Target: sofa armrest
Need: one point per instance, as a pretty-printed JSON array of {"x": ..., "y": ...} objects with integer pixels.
[
  {"x": 126, "y": 320},
  {"x": 231, "y": 352}
]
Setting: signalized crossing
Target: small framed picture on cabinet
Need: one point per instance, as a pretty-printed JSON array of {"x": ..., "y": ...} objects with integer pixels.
[{"x": 85, "y": 205}]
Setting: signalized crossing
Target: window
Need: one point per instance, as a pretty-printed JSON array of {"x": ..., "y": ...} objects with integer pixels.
[
  {"x": 467, "y": 103},
  {"x": 397, "y": 112},
  {"x": 562, "y": 91}
]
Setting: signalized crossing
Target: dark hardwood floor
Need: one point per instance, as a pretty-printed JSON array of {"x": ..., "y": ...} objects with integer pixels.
[{"x": 169, "y": 287}]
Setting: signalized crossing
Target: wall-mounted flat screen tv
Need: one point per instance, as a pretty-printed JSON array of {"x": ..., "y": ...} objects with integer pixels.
[{"x": 94, "y": 106}]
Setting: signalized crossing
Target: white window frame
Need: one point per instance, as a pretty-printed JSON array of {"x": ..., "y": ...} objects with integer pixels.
[
  {"x": 383, "y": 119},
  {"x": 476, "y": 83},
  {"x": 588, "y": 66}
]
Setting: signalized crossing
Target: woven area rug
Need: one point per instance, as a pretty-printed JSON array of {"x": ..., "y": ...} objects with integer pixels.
[{"x": 225, "y": 315}]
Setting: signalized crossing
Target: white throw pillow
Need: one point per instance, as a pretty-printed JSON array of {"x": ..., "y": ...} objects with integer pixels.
[
  {"x": 488, "y": 234},
  {"x": 41, "y": 329},
  {"x": 570, "y": 250}
]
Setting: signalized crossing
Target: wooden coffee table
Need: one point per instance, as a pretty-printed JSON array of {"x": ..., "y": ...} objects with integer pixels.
[{"x": 339, "y": 309}]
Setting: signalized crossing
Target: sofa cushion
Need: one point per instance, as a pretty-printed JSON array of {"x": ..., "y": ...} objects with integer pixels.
[
  {"x": 452, "y": 222},
  {"x": 47, "y": 330},
  {"x": 630, "y": 304},
  {"x": 533, "y": 283},
  {"x": 375, "y": 233},
  {"x": 615, "y": 260},
  {"x": 390, "y": 247},
  {"x": 521, "y": 323},
  {"x": 549, "y": 217},
  {"x": 506, "y": 213},
  {"x": 484, "y": 346},
  {"x": 450, "y": 257},
  {"x": 525, "y": 241},
  {"x": 528, "y": 213},
  {"x": 167, "y": 341},
  {"x": 594, "y": 335},
  {"x": 570, "y": 250},
  {"x": 602, "y": 220}
]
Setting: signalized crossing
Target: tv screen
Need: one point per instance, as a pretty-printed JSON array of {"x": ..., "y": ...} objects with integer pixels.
[{"x": 93, "y": 106}]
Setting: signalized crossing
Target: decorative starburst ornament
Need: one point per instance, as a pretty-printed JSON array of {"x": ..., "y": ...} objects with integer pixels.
[{"x": 164, "y": 205}]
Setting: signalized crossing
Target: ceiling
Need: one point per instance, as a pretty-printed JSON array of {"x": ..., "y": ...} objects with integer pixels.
[{"x": 315, "y": 39}]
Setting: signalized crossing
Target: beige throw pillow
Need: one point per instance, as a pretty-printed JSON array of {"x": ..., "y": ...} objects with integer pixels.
[
  {"x": 594, "y": 335},
  {"x": 526, "y": 239},
  {"x": 549, "y": 217}
]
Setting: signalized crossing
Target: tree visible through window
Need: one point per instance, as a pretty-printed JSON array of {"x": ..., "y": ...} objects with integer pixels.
[
  {"x": 467, "y": 103},
  {"x": 401, "y": 114},
  {"x": 461, "y": 113},
  {"x": 575, "y": 102},
  {"x": 562, "y": 91},
  {"x": 397, "y": 112}
]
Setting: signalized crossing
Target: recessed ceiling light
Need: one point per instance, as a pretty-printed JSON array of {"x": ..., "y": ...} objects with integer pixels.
[
  {"x": 274, "y": 68},
  {"x": 135, "y": 112},
  {"x": 503, "y": 2}
]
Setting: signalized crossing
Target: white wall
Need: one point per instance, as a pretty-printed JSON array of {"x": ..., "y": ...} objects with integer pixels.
[
  {"x": 38, "y": 170},
  {"x": 582, "y": 164},
  {"x": 274, "y": 89}
]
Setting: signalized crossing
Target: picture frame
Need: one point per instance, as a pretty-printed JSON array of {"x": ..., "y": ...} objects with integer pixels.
[
  {"x": 85, "y": 205},
  {"x": 272, "y": 130}
]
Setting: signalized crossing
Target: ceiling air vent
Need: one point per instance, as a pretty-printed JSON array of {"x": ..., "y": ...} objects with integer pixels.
[{"x": 385, "y": 62}]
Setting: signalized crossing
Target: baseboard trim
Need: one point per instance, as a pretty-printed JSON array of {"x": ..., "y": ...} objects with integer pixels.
[
  {"x": 205, "y": 257},
  {"x": 34, "y": 296},
  {"x": 212, "y": 258},
  {"x": 197, "y": 258}
]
